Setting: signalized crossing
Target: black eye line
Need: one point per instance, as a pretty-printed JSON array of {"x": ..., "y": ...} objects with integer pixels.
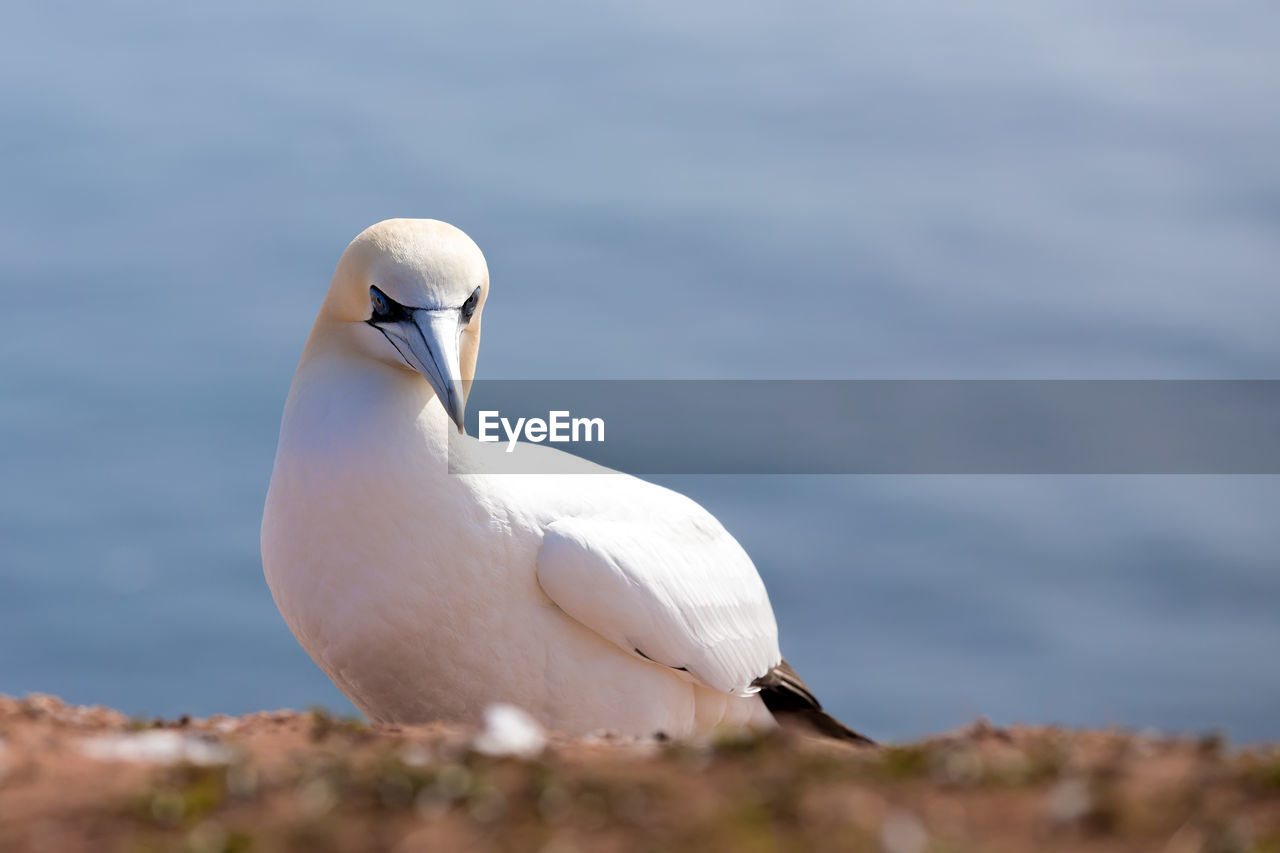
[
  {"x": 398, "y": 313},
  {"x": 392, "y": 341}
]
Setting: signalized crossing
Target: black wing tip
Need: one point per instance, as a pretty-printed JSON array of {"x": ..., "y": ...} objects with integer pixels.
[{"x": 789, "y": 699}]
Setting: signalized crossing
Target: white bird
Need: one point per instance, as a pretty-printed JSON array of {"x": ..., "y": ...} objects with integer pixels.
[{"x": 593, "y": 602}]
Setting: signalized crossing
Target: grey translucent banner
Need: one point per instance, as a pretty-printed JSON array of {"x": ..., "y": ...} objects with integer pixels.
[{"x": 876, "y": 427}]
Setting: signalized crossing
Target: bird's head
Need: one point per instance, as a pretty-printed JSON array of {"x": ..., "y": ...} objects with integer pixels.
[{"x": 411, "y": 292}]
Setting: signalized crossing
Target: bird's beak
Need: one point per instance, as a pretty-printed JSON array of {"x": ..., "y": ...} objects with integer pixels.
[{"x": 432, "y": 343}]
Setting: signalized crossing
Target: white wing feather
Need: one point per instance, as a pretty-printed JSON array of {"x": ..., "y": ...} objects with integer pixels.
[{"x": 679, "y": 591}]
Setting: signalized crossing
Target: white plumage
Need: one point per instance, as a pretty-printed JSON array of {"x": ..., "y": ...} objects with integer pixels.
[
  {"x": 596, "y": 601},
  {"x": 675, "y": 588}
]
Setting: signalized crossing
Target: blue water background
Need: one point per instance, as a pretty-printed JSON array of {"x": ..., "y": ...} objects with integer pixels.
[{"x": 995, "y": 189}]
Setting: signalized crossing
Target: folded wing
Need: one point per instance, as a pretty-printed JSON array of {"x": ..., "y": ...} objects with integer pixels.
[{"x": 677, "y": 590}]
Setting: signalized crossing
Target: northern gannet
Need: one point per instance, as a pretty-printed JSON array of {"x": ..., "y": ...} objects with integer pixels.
[{"x": 597, "y": 602}]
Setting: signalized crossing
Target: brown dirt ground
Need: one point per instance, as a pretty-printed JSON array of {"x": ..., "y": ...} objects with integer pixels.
[{"x": 308, "y": 781}]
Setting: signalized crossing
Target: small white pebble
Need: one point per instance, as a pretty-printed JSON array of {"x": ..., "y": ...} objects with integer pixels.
[
  {"x": 416, "y": 755},
  {"x": 601, "y": 736},
  {"x": 1070, "y": 800},
  {"x": 508, "y": 730},
  {"x": 902, "y": 832},
  {"x": 157, "y": 747}
]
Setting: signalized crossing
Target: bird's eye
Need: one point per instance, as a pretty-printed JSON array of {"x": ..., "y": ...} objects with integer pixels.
[
  {"x": 379, "y": 301},
  {"x": 469, "y": 307}
]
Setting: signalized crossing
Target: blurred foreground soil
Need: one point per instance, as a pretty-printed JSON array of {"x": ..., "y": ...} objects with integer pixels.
[{"x": 91, "y": 779}]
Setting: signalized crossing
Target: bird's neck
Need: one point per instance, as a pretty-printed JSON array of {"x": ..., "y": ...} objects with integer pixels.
[{"x": 343, "y": 401}]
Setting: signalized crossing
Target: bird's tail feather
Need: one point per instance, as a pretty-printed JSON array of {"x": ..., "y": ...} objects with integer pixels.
[{"x": 789, "y": 699}]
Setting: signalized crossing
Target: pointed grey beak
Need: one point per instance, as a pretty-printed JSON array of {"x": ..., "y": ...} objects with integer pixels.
[{"x": 428, "y": 340}]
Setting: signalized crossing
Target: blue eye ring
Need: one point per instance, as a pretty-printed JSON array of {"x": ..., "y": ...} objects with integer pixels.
[{"x": 379, "y": 301}]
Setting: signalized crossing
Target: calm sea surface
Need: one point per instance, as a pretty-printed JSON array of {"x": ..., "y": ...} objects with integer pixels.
[{"x": 718, "y": 190}]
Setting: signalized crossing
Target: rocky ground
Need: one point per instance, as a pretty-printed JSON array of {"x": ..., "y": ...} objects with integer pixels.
[{"x": 74, "y": 778}]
